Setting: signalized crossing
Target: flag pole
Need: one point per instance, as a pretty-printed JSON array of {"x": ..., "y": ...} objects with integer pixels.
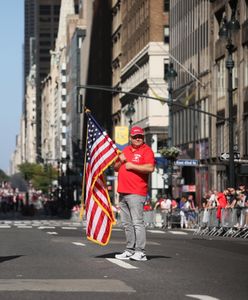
[{"x": 84, "y": 172}]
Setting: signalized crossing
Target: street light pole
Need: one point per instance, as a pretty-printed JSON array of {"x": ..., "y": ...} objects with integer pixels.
[
  {"x": 170, "y": 76},
  {"x": 229, "y": 66},
  {"x": 225, "y": 32},
  {"x": 129, "y": 114}
]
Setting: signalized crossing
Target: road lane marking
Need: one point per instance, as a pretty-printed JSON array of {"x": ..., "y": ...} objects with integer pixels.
[
  {"x": 46, "y": 227},
  {"x": 66, "y": 285},
  {"x": 178, "y": 232},
  {"x": 5, "y": 226},
  {"x": 76, "y": 224},
  {"x": 121, "y": 263},
  {"x": 156, "y": 231},
  {"x": 202, "y": 297},
  {"x": 51, "y": 232},
  {"x": 69, "y": 228},
  {"x": 23, "y": 226},
  {"x": 78, "y": 244}
]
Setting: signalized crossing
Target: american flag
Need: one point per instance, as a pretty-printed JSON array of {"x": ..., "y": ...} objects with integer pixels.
[{"x": 101, "y": 152}]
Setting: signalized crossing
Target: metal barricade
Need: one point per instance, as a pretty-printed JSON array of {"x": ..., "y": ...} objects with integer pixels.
[
  {"x": 231, "y": 224},
  {"x": 208, "y": 223},
  {"x": 228, "y": 217},
  {"x": 160, "y": 219},
  {"x": 149, "y": 218},
  {"x": 174, "y": 218}
]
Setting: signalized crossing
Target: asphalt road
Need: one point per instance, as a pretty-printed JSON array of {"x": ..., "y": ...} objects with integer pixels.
[{"x": 53, "y": 260}]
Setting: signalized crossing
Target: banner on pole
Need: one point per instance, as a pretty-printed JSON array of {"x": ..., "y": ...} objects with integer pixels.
[{"x": 121, "y": 137}]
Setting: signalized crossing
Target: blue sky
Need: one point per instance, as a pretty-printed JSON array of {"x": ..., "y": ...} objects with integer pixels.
[{"x": 11, "y": 78}]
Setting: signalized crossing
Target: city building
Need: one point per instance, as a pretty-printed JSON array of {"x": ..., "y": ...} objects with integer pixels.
[
  {"x": 140, "y": 39},
  {"x": 41, "y": 24},
  {"x": 190, "y": 55},
  {"x": 55, "y": 99},
  {"x": 29, "y": 130},
  {"x": 229, "y": 86},
  {"x": 200, "y": 113}
]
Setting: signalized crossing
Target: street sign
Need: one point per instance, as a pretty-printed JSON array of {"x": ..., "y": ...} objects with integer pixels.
[
  {"x": 187, "y": 162},
  {"x": 225, "y": 155}
]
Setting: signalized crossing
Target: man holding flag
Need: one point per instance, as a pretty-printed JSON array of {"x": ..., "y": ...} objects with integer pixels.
[{"x": 134, "y": 165}]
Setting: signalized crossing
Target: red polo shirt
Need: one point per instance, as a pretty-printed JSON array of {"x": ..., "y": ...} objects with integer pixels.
[{"x": 133, "y": 182}]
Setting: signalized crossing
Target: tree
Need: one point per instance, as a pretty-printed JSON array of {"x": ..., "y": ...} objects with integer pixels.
[
  {"x": 40, "y": 176},
  {"x": 3, "y": 176}
]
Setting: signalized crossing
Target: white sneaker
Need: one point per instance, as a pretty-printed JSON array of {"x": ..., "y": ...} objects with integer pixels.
[
  {"x": 125, "y": 255},
  {"x": 139, "y": 256}
]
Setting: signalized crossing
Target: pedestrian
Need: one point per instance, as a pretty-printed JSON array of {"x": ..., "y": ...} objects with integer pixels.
[
  {"x": 165, "y": 207},
  {"x": 134, "y": 165},
  {"x": 184, "y": 210}
]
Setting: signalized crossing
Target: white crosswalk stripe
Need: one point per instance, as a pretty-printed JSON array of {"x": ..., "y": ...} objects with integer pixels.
[
  {"x": 67, "y": 225},
  {"x": 178, "y": 232},
  {"x": 5, "y": 226},
  {"x": 78, "y": 244},
  {"x": 121, "y": 263}
]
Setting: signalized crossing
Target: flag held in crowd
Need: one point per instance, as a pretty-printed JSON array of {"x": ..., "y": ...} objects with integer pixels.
[{"x": 100, "y": 153}]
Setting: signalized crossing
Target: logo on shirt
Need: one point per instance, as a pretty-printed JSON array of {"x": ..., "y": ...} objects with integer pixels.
[{"x": 136, "y": 157}]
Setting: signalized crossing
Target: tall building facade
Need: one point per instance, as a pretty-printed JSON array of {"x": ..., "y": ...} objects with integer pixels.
[
  {"x": 46, "y": 30},
  {"x": 98, "y": 67},
  {"x": 29, "y": 33},
  {"x": 190, "y": 55},
  {"x": 140, "y": 51},
  {"x": 200, "y": 113},
  {"x": 220, "y": 91},
  {"x": 41, "y": 28},
  {"x": 57, "y": 89}
]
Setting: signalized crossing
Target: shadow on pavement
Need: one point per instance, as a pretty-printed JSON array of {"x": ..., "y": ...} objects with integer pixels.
[{"x": 4, "y": 258}]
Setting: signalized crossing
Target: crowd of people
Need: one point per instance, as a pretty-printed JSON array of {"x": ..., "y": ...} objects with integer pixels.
[
  {"x": 14, "y": 201},
  {"x": 179, "y": 212},
  {"x": 184, "y": 211},
  {"x": 10, "y": 199},
  {"x": 229, "y": 199}
]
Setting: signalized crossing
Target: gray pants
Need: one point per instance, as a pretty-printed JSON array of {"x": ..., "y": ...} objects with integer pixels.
[{"x": 132, "y": 218}]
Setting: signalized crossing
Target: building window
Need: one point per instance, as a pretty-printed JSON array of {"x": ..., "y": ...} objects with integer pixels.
[
  {"x": 166, "y": 5},
  {"x": 56, "y": 9},
  {"x": 221, "y": 86},
  {"x": 220, "y": 139},
  {"x": 235, "y": 71},
  {"x": 246, "y": 66},
  {"x": 246, "y": 136},
  {"x": 166, "y": 68},
  {"x": 204, "y": 120},
  {"x": 166, "y": 34},
  {"x": 45, "y": 9}
]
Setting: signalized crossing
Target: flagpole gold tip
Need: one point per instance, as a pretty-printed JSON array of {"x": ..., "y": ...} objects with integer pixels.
[{"x": 87, "y": 110}]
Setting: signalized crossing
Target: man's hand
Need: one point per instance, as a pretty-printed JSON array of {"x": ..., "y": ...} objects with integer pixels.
[
  {"x": 119, "y": 161},
  {"x": 122, "y": 157},
  {"x": 129, "y": 165}
]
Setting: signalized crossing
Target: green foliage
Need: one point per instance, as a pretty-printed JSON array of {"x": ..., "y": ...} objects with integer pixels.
[
  {"x": 40, "y": 176},
  {"x": 3, "y": 176},
  {"x": 170, "y": 152}
]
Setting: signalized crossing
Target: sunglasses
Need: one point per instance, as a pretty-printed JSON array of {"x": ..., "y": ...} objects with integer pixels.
[{"x": 138, "y": 136}]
